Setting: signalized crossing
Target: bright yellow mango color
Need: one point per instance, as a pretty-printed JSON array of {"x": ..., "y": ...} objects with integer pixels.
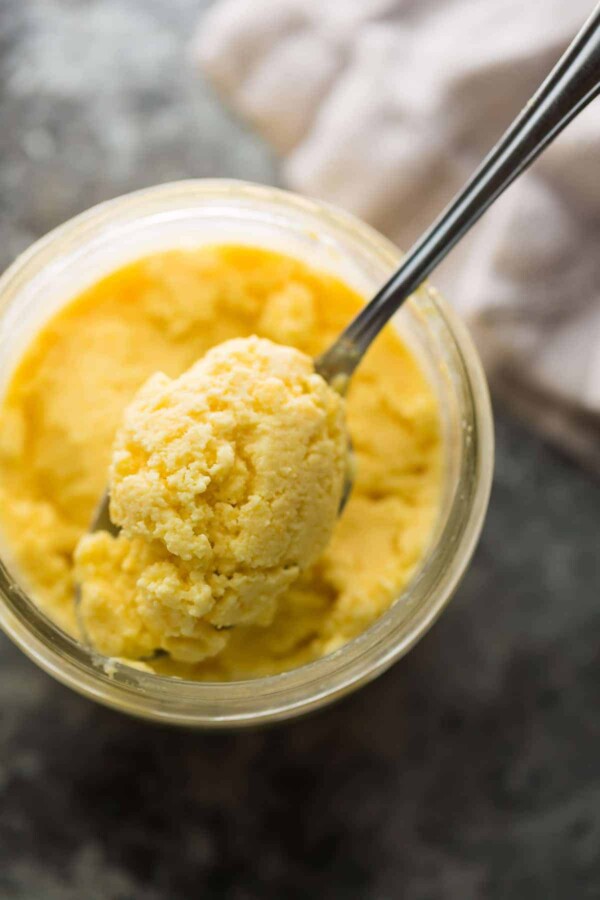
[
  {"x": 68, "y": 393},
  {"x": 226, "y": 484}
]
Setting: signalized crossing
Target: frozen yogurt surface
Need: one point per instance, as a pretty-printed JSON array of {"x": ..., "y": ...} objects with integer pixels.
[
  {"x": 226, "y": 483},
  {"x": 225, "y": 470}
]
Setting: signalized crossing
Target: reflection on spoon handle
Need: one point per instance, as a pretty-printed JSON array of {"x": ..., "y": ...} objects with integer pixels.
[{"x": 573, "y": 82}]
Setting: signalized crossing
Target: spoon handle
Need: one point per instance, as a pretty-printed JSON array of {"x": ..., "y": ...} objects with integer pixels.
[{"x": 574, "y": 81}]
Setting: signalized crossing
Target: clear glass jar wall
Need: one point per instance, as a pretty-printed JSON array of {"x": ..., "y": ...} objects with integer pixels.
[{"x": 189, "y": 214}]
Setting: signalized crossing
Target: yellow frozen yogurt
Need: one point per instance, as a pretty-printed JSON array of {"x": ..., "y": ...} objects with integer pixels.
[
  {"x": 226, "y": 483},
  {"x": 66, "y": 402}
]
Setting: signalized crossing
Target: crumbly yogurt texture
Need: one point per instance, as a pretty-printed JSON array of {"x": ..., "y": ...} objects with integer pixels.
[
  {"x": 226, "y": 483},
  {"x": 183, "y": 568}
]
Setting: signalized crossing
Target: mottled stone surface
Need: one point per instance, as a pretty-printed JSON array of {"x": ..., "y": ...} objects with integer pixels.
[{"x": 471, "y": 770}]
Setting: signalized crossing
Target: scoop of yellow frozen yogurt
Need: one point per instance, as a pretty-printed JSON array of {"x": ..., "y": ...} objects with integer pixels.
[{"x": 226, "y": 484}]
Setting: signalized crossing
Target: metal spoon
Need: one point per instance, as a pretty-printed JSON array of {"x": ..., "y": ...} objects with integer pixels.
[{"x": 570, "y": 86}]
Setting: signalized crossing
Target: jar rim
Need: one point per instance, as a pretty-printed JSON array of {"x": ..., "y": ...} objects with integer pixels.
[{"x": 273, "y": 697}]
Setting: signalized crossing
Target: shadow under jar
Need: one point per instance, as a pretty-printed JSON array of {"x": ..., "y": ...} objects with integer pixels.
[{"x": 191, "y": 214}]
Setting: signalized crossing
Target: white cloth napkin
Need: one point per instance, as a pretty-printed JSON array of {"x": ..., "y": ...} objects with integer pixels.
[{"x": 385, "y": 107}]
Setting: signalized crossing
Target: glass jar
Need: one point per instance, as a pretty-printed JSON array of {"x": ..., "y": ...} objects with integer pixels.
[{"x": 192, "y": 213}]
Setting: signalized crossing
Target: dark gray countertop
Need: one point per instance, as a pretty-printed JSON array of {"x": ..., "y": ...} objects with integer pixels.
[{"x": 470, "y": 770}]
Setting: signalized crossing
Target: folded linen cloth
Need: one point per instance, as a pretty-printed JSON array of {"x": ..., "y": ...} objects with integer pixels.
[{"x": 385, "y": 107}]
